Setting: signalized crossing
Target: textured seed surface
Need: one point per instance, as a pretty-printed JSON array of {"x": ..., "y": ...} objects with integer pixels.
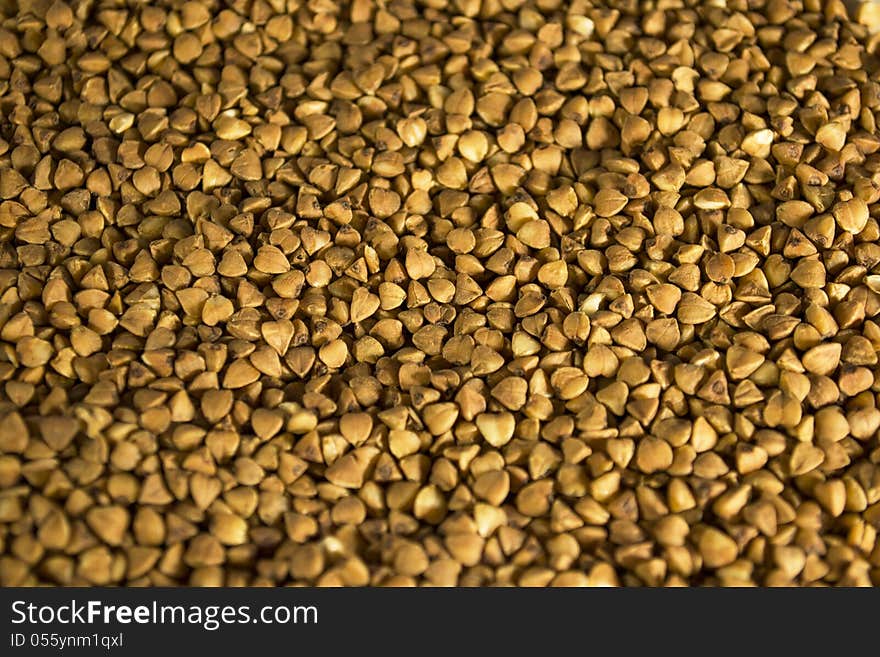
[{"x": 438, "y": 293}]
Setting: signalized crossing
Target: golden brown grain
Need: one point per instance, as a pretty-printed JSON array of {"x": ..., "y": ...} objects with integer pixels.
[{"x": 444, "y": 293}]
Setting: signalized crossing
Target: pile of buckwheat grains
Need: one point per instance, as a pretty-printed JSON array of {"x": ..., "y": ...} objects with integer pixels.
[{"x": 439, "y": 292}]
